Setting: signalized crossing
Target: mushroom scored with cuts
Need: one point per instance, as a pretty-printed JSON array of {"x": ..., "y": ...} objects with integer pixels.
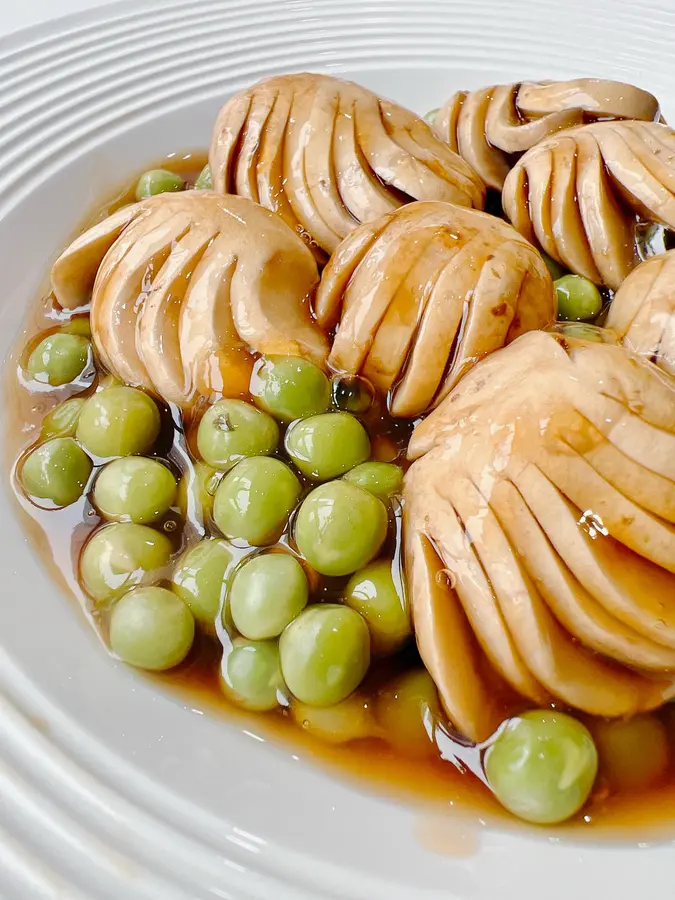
[
  {"x": 642, "y": 312},
  {"x": 490, "y": 127},
  {"x": 422, "y": 293},
  {"x": 579, "y": 194},
  {"x": 327, "y": 155},
  {"x": 183, "y": 285},
  {"x": 544, "y": 487}
]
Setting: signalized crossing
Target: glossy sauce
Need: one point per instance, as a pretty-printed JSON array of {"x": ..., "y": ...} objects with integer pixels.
[{"x": 448, "y": 775}]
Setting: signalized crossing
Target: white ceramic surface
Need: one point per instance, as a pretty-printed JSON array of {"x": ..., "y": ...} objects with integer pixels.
[{"x": 110, "y": 788}]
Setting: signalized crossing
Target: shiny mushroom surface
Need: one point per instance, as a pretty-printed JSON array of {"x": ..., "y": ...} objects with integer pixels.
[
  {"x": 642, "y": 312},
  {"x": 539, "y": 526},
  {"x": 491, "y": 126},
  {"x": 183, "y": 286},
  {"x": 423, "y": 293},
  {"x": 578, "y": 194},
  {"x": 327, "y": 155}
]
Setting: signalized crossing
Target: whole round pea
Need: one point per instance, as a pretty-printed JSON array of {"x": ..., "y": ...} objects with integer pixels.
[
  {"x": 578, "y": 298},
  {"x": 325, "y": 653},
  {"x": 200, "y": 578},
  {"x": 254, "y": 500},
  {"x": 251, "y": 676},
  {"x": 57, "y": 470},
  {"x": 634, "y": 753},
  {"x": 151, "y": 628},
  {"x": 542, "y": 766},
  {"x": 205, "y": 181},
  {"x": 379, "y": 478},
  {"x": 134, "y": 489},
  {"x": 120, "y": 556},
  {"x": 232, "y": 430},
  {"x": 406, "y": 710},
  {"x": 118, "y": 421},
  {"x": 62, "y": 420},
  {"x": 196, "y": 491},
  {"x": 340, "y": 528},
  {"x": 267, "y": 593},
  {"x": 349, "y": 720},
  {"x": 326, "y": 446},
  {"x": 289, "y": 387},
  {"x": 352, "y": 394},
  {"x": 59, "y": 359},
  {"x": 158, "y": 181},
  {"x": 372, "y": 593}
]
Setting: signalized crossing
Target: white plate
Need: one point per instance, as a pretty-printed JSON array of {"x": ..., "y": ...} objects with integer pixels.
[{"x": 108, "y": 787}]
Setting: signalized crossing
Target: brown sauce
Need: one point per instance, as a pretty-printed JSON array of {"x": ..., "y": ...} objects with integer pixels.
[{"x": 447, "y": 776}]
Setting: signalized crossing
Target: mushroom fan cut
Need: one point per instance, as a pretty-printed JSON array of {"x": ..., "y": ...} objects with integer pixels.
[
  {"x": 642, "y": 312},
  {"x": 539, "y": 532},
  {"x": 327, "y": 155},
  {"x": 182, "y": 286},
  {"x": 491, "y": 126},
  {"x": 579, "y": 194},
  {"x": 422, "y": 293}
]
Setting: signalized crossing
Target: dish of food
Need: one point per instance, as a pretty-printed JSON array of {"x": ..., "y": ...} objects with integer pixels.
[{"x": 352, "y": 433}]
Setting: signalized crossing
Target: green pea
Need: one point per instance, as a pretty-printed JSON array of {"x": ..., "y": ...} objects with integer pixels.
[
  {"x": 542, "y": 766},
  {"x": 349, "y": 720},
  {"x": 78, "y": 325},
  {"x": 372, "y": 593},
  {"x": 556, "y": 271},
  {"x": 326, "y": 446},
  {"x": 57, "y": 470},
  {"x": 406, "y": 710},
  {"x": 325, "y": 654},
  {"x": 634, "y": 753},
  {"x": 121, "y": 556},
  {"x": 255, "y": 499},
  {"x": 267, "y": 593},
  {"x": 430, "y": 117},
  {"x": 118, "y": 421},
  {"x": 289, "y": 387},
  {"x": 578, "y": 299},
  {"x": 196, "y": 491},
  {"x": 205, "y": 181},
  {"x": 158, "y": 181},
  {"x": 135, "y": 489},
  {"x": 62, "y": 420},
  {"x": 251, "y": 676},
  {"x": 59, "y": 359},
  {"x": 379, "y": 478},
  {"x": 232, "y": 430},
  {"x": 352, "y": 394},
  {"x": 201, "y": 576},
  {"x": 340, "y": 528},
  {"x": 151, "y": 628}
]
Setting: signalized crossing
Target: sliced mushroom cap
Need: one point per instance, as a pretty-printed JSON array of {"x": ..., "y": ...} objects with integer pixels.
[
  {"x": 542, "y": 485},
  {"x": 328, "y": 155},
  {"x": 184, "y": 286},
  {"x": 577, "y": 194},
  {"x": 489, "y": 126},
  {"x": 422, "y": 293},
  {"x": 642, "y": 312}
]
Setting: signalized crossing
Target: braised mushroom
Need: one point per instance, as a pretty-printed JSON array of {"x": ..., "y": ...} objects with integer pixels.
[
  {"x": 182, "y": 286},
  {"x": 540, "y": 531},
  {"x": 642, "y": 312},
  {"x": 327, "y": 155},
  {"x": 490, "y": 126},
  {"x": 424, "y": 292},
  {"x": 578, "y": 193}
]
